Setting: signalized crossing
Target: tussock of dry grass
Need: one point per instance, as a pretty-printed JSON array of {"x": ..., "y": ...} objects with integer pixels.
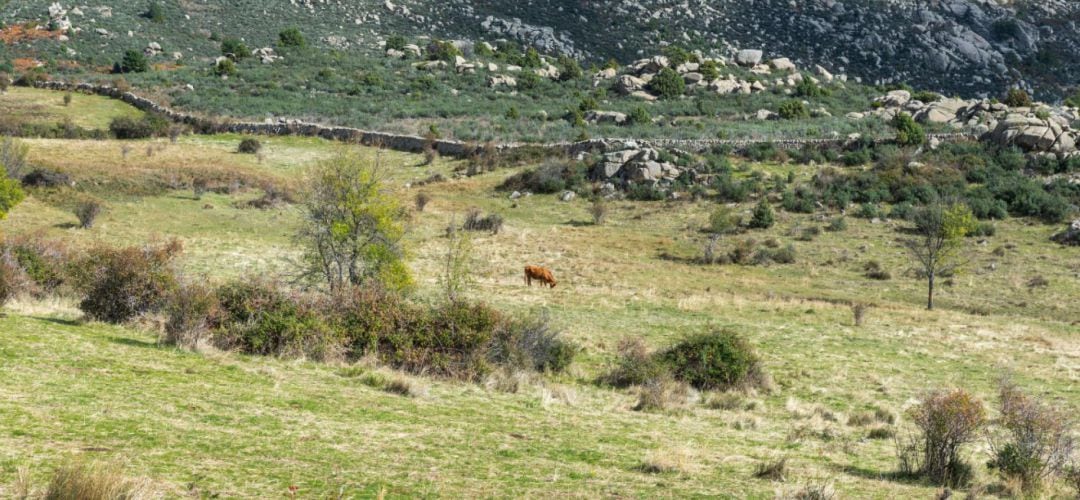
[
  {"x": 82, "y": 480},
  {"x": 668, "y": 461}
]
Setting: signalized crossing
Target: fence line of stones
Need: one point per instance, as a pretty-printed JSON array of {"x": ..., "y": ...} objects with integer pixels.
[{"x": 458, "y": 149}]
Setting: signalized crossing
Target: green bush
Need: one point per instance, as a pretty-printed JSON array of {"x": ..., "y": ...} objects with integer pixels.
[
  {"x": 569, "y": 69},
  {"x": 808, "y": 89},
  {"x": 450, "y": 341},
  {"x": 763, "y": 216},
  {"x": 234, "y": 49},
  {"x": 155, "y": 13},
  {"x": 116, "y": 285},
  {"x": 709, "y": 70},
  {"x": 639, "y": 116},
  {"x": 132, "y": 62},
  {"x": 1017, "y": 98},
  {"x": 439, "y": 50},
  {"x": 150, "y": 125},
  {"x": 718, "y": 360},
  {"x": 257, "y": 317},
  {"x": 225, "y": 67},
  {"x": 291, "y": 37},
  {"x": 908, "y": 133},
  {"x": 793, "y": 110},
  {"x": 528, "y": 81},
  {"x": 926, "y": 96},
  {"x": 667, "y": 84},
  {"x": 398, "y": 42},
  {"x": 11, "y": 193}
]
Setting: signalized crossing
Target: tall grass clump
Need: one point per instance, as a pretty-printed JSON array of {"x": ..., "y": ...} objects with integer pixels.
[{"x": 84, "y": 480}]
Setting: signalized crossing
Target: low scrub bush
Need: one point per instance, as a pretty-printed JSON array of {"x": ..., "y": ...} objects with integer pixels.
[
  {"x": 189, "y": 312},
  {"x": 875, "y": 271},
  {"x": 421, "y": 201},
  {"x": 258, "y": 317},
  {"x": 533, "y": 344},
  {"x": 8, "y": 279},
  {"x": 116, "y": 285},
  {"x": 451, "y": 341},
  {"x": 635, "y": 365},
  {"x": 88, "y": 211},
  {"x": 717, "y": 360},
  {"x": 38, "y": 265},
  {"x": 1037, "y": 443},
  {"x": 475, "y": 220},
  {"x": 773, "y": 470},
  {"x": 763, "y": 216},
  {"x": 779, "y": 255},
  {"x": 552, "y": 176},
  {"x": 663, "y": 394},
  {"x": 150, "y": 125},
  {"x": 249, "y": 145},
  {"x": 947, "y": 421}
]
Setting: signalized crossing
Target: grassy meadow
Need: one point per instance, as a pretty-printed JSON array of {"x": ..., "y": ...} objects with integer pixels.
[{"x": 215, "y": 424}]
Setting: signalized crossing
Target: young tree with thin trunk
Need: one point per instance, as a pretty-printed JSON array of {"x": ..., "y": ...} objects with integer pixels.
[
  {"x": 939, "y": 238},
  {"x": 352, "y": 226},
  {"x": 456, "y": 276}
]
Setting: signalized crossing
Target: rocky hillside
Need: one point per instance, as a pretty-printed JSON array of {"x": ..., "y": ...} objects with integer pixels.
[{"x": 970, "y": 48}]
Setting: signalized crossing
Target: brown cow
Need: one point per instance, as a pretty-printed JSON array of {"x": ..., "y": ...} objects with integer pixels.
[{"x": 540, "y": 274}]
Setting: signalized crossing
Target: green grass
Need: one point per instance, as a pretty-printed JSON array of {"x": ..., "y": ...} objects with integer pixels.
[
  {"x": 238, "y": 426},
  {"x": 34, "y": 106}
]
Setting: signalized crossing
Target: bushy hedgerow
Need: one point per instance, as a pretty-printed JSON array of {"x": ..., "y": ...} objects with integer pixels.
[
  {"x": 150, "y": 125},
  {"x": 457, "y": 339}
]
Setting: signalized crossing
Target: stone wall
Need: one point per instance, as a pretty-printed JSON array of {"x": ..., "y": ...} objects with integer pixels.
[{"x": 417, "y": 144}]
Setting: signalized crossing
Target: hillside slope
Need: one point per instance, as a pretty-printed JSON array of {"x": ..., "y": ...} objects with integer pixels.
[{"x": 965, "y": 47}]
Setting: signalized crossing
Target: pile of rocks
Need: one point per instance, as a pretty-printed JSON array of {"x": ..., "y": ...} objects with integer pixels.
[
  {"x": 635, "y": 80},
  {"x": 636, "y": 165},
  {"x": 1037, "y": 129},
  {"x": 1070, "y": 236},
  {"x": 266, "y": 55}
]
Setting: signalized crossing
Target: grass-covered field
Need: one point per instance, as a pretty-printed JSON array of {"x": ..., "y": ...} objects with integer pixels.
[
  {"x": 239, "y": 426},
  {"x": 36, "y": 107}
]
